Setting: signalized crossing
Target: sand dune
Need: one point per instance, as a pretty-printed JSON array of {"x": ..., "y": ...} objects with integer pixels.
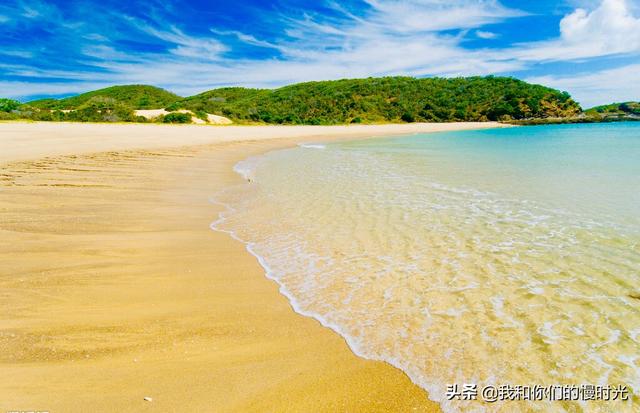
[{"x": 213, "y": 119}]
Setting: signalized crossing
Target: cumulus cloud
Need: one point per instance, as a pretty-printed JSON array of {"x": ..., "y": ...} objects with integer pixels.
[
  {"x": 609, "y": 29},
  {"x": 592, "y": 89}
]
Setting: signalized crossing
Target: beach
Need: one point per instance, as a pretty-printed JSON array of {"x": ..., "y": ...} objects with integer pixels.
[
  {"x": 117, "y": 295},
  {"x": 494, "y": 258}
]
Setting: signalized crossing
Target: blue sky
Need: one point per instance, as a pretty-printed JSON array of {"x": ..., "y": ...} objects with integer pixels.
[{"x": 590, "y": 48}]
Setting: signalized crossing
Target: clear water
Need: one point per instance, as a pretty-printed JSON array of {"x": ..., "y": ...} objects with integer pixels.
[{"x": 506, "y": 256}]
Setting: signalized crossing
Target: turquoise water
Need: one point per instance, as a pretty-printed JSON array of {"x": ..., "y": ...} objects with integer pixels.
[
  {"x": 495, "y": 257},
  {"x": 594, "y": 169}
]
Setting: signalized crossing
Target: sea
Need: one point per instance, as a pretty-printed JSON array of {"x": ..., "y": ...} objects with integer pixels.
[{"x": 505, "y": 259}]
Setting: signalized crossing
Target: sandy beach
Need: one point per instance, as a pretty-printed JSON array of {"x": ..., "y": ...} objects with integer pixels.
[{"x": 114, "y": 288}]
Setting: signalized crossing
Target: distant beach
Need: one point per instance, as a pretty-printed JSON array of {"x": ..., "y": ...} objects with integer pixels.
[{"x": 117, "y": 296}]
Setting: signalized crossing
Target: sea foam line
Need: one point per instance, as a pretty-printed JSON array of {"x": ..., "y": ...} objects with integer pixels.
[
  {"x": 431, "y": 389},
  {"x": 312, "y": 145}
]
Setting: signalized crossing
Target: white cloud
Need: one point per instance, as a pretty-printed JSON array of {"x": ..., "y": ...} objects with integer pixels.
[
  {"x": 434, "y": 15},
  {"x": 390, "y": 38},
  {"x": 184, "y": 45},
  {"x": 38, "y": 10},
  {"x": 608, "y": 29},
  {"x": 592, "y": 89},
  {"x": 246, "y": 38},
  {"x": 25, "y": 54},
  {"x": 17, "y": 89},
  {"x": 103, "y": 52},
  {"x": 96, "y": 37},
  {"x": 486, "y": 35}
]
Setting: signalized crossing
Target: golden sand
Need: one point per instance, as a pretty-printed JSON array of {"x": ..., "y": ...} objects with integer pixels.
[{"x": 114, "y": 289}]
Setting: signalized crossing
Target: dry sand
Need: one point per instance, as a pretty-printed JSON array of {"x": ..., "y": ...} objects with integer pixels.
[
  {"x": 20, "y": 140},
  {"x": 114, "y": 289}
]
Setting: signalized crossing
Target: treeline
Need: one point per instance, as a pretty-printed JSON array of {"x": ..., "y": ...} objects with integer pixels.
[
  {"x": 371, "y": 100},
  {"x": 615, "y": 112},
  {"x": 389, "y": 99}
]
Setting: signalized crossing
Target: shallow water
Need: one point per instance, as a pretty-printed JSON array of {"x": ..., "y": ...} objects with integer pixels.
[{"x": 494, "y": 257}]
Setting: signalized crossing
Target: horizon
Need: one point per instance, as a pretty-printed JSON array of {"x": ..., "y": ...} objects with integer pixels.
[{"x": 53, "y": 50}]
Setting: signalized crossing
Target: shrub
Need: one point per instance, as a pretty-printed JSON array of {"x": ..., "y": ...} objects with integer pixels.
[
  {"x": 177, "y": 117},
  {"x": 173, "y": 107},
  {"x": 202, "y": 115},
  {"x": 8, "y": 105},
  {"x": 408, "y": 117}
]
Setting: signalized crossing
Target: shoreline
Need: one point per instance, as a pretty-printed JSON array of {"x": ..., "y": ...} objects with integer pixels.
[
  {"x": 96, "y": 314},
  {"x": 31, "y": 140}
]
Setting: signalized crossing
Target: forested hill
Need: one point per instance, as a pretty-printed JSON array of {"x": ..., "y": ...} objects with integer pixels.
[
  {"x": 388, "y": 99},
  {"x": 371, "y": 100},
  {"x": 616, "y": 111},
  {"x": 132, "y": 96}
]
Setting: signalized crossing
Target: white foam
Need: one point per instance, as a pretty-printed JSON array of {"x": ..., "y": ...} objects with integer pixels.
[
  {"x": 536, "y": 290},
  {"x": 433, "y": 389},
  {"x": 630, "y": 361},
  {"x": 312, "y": 145},
  {"x": 246, "y": 168},
  {"x": 597, "y": 358},
  {"x": 613, "y": 338},
  {"x": 546, "y": 331}
]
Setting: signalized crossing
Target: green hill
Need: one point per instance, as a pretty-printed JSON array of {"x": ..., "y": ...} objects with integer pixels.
[
  {"x": 371, "y": 100},
  {"x": 388, "y": 99},
  {"x": 616, "y": 111},
  {"x": 133, "y": 96}
]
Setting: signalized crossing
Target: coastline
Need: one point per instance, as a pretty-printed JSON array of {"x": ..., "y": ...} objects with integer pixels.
[
  {"x": 116, "y": 289},
  {"x": 31, "y": 140}
]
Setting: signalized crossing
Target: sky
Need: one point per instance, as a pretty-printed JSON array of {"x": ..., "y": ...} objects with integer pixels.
[{"x": 590, "y": 48}]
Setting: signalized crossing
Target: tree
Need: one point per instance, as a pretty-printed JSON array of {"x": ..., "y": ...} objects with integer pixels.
[{"x": 8, "y": 105}]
